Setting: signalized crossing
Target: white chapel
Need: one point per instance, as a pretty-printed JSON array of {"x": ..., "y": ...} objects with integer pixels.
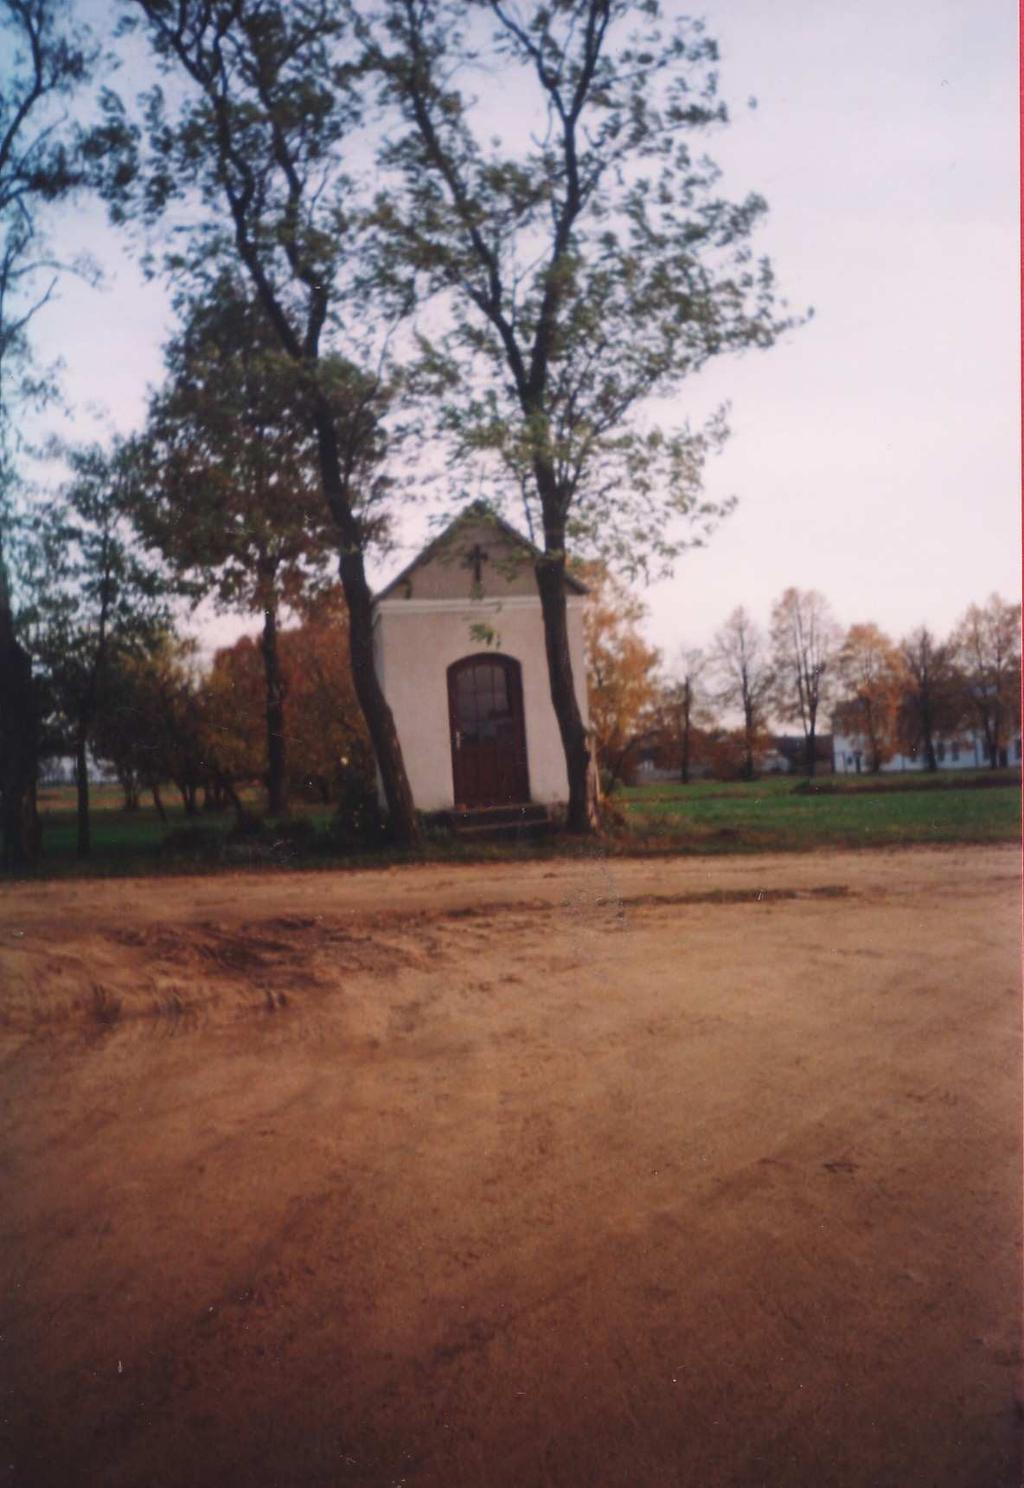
[{"x": 459, "y": 650}]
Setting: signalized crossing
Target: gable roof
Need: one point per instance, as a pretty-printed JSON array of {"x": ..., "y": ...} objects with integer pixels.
[{"x": 475, "y": 511}]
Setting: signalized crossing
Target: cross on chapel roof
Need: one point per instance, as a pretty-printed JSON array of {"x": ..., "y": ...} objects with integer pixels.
[{"x": 478, "y": 514}]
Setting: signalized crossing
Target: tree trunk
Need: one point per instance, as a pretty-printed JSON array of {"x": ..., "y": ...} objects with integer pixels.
[
  {"x": 82, "y": 783},
  {"x": 187, "y": 791},
  {"x": 277, "y": 785},
  {"x": 158, "y": 802},
  {"x": 18, "y": 755},
  {"x": 810, "y": 753},
  {"x": 579, "y": 762},
  {"x": 242, "y": 816},
  {"x": 130, "y": 787},
  {"x": 380, "y": 721},
  {"x": 748, "y": 741}
]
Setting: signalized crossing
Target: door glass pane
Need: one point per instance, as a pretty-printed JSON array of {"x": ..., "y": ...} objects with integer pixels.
[{"x": 465, "y": 699}]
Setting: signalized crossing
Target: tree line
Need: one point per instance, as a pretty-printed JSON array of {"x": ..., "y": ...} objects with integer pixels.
[
  {"x": 363, "y": 268},
  {"x": 886, "y": 697}
]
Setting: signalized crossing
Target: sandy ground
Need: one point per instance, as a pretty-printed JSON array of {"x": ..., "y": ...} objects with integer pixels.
[{"x": 676, "y": 1172}]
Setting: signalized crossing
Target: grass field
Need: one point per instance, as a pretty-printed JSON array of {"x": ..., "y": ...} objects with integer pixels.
[
  {"x": 775, "y": 814},
  {"x": 834, "y": 811}
]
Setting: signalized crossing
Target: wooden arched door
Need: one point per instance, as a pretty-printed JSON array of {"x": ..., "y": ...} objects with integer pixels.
[{"x": 488, "y": 734}]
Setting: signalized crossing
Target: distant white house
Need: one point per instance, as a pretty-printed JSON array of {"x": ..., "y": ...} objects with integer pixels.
[
  {"x": 459, "y": 650},
  {"x": 966, "y": 751}
]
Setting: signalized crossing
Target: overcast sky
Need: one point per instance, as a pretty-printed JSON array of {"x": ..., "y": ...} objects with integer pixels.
[{"x": 875, "y": 453}]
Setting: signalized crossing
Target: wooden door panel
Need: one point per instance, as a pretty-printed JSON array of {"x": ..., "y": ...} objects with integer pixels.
[{"x": 488, "y": 736}]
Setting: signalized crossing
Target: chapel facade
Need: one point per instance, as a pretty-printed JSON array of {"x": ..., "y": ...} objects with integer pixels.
[{"x": 459, "y": 650}]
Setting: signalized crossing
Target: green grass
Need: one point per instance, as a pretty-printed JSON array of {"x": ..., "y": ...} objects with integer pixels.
[
  {"x": 786, "y": 785},
  {"x": 851, "y": 811},
  {"x": 775, "y": 814}
]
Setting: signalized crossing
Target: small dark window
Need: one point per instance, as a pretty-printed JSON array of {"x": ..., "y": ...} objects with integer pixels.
[
  {"x": 954, "y": 752},
  {"x": 940, "y": 752}
]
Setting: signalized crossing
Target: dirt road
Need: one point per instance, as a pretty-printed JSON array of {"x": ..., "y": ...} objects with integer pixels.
[{"x": 561, "y": 1175}]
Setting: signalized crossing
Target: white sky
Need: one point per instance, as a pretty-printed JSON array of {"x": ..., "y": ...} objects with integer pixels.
[{"x": 875, "y": 454}]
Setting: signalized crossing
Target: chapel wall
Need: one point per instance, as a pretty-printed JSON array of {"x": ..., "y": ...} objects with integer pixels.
[{"x": 415, "y": 647}]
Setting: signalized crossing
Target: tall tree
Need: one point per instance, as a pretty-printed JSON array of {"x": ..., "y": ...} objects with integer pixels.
[
  {"x": 682, "y": 705},
  {"x": 622, "y": 684},
  {"x": 986, "y": 645},
  {"x": 805, "y": 640},
  {"x": 931, "y": 699},
  {"x": 134, "y": 731},
  {"x": 330, "y": 744},
  {"x": 590, "y": 264},
  {"x": 264, "y": 108},
  {"x": 869, "y": 675},
  {"x": 46, "y": 59},
  {"x": 103, "y": 600},
  {"x": 745, "y": 678},
  {"x": 228, "y": 483},
  {"x": 326, "y": 738}
]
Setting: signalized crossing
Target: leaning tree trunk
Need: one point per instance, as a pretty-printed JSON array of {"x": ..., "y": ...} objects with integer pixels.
[
  {"x": 277, "y": 784},
  {"x": 579, "y": 762},
  {"x": 380, "y": 721},
  {"x": 19, "y": 825}
]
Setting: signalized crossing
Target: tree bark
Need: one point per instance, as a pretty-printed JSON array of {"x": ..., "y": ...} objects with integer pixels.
[
  {"x": 158, "y": 802},
  {"x": 82, "y": 784},
  {"x": 810, "y": 752},
  {"x": 242, "y": 816},
  {"x": 187, "y": 790},
  {"x": 19, "y": 742},
  {"x": 748, "y": 739},
  {"x": 380, "y": 720},
  {"x": 277, "y": 780},
  {"x": 579, "y": 760},
  {"x": 18, "y": 754}
]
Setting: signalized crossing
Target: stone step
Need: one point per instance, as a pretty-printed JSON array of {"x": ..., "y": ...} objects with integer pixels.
[
  {"x": 494, "y": 816},
  {"x": 500, "y": 823}
]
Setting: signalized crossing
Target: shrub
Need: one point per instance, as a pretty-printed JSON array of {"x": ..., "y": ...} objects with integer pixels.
[{"x": 357, "y": 821}]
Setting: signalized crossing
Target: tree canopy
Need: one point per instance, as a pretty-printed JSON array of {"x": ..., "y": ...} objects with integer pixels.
[
  {"x": 46, "y": 59},
  {"x": 590, "y": 264},
  {"x": 248, "y": 150}
]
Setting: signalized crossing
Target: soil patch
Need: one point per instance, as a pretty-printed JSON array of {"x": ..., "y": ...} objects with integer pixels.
[{"x": 553, "y": 1175}]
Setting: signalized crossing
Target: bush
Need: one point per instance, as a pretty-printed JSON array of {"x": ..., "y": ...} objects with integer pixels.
[
  {"x": 296, "y": 832},
  {"x": 194, "y": 841},
  {"x": 358, "y": 821}
]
